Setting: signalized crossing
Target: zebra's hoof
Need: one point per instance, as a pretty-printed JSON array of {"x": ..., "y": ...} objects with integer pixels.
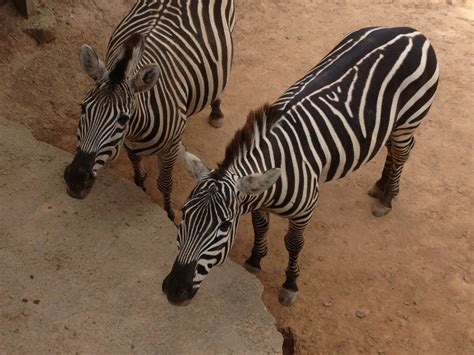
[
  {"x": 216, "y": 122},
  {"x": 252, "y": 269},
  {"x": 287, "y": 297},
  {"x": 380, "y": 211}
]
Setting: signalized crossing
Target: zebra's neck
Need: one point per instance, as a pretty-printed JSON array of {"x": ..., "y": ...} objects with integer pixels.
[
  {"x": 258, "y": 147},
  {"x": 151, "y": 107},
  {"x": 144, "y": 18}
]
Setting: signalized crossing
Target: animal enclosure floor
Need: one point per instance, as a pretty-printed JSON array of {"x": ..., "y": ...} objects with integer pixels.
[{"x": 403, "y": 283}]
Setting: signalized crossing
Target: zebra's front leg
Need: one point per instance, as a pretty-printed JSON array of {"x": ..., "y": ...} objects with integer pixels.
[
  {"x": 294, "y": 242},
  {"x": 216, "y": 118},
  {"x": 164, "y": 182},
  {"x": 260, "y": 222},
  {"x": 139, "y": 171}
]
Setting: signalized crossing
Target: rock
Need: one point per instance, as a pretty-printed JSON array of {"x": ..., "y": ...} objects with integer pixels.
[
  {"x": 362, "y": 313},
  {"x": 42, "y": 27}
]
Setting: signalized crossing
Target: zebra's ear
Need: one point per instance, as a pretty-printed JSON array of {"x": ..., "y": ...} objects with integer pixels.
[
  {"x": 91, "y": 64},
  {"x": 256, "y": 184},
  {"x": 194, "y": 166},
  {"x": 146, "y": 78}
]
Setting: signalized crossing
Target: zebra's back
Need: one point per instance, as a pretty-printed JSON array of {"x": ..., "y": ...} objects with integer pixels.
[
  {"x": 191, "y": 42},
  {"x": 347, "y": 106}
]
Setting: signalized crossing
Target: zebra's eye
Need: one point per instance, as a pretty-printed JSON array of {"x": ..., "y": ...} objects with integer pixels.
[
  {"x": 225, "y": 227},
  {"x": 122, "y": 119}
]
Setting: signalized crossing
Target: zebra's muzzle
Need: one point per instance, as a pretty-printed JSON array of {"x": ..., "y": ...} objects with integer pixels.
[
  {"x": 178, "y": 285},
  {"x": 79, "y": 176}
]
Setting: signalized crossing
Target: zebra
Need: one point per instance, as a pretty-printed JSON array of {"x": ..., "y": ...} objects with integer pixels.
[
  {"x": 166, "y": 60},
  {"x": 373, "y": 89}
]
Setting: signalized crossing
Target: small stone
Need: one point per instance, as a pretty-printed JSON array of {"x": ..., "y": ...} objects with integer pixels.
[
  {"x": 43, "y": 27},
  {"x": 24, "y": 300},
  {"x": 327, "y": 304},
  {"x": 36, "y": 301},
  {"x": 32, "y": 277},
  {"x": 361, "y": 313}
]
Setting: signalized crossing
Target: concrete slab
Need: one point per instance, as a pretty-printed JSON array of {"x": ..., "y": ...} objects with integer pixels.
[{"x": 85, "y": 276}]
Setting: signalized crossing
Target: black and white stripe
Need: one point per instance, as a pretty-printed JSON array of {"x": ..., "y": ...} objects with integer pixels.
[
  {"x": 191, "y": 42},
  {"x": 373, "y": 89}
]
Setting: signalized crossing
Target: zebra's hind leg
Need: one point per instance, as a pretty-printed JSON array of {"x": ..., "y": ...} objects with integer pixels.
[
  {"x": 216, "y": 118},
  {"x": 294, "y": 242},
  {"x": 260, "y": 221},
  {"x": 139, "y": 171},
  {"x": 377, "y": 191},
  {"x": 165, "y": 178},
  {"x": 400, "y": 149}
]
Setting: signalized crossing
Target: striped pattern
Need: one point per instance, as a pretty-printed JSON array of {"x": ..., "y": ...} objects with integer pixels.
[
  {"x": 207, "y": 200},
  {"x": 191, "y": 43},
  {"x": 371, "y": 90},
  {"x": 103, "y": 136}
]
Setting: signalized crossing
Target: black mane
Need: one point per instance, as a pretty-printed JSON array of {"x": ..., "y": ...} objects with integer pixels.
[
  {"x": 119, "y": 70},
  {"x": 243, "y": 137}
]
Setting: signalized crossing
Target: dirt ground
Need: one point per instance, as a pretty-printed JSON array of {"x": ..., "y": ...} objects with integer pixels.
[{"x": 411, "y": 272}]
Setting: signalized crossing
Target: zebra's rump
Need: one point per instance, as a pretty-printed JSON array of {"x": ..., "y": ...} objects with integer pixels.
[{"x": 374, "y": 81}]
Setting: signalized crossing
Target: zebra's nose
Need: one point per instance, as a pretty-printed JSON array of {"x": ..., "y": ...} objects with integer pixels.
[
  {"x": 178, "y": 285},
  {"x": 79, "y": 176}
]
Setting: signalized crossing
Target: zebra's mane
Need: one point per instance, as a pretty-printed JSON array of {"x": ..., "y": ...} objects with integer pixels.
[
  {"x": 263, "y": 117},
  {"x": 119, "y": 69}
]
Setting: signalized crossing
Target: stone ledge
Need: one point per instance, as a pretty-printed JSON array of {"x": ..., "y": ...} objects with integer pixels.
[{"x": 85, "y": 276}]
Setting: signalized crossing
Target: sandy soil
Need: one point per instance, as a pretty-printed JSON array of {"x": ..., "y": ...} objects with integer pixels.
[{"x": 410, "y": 272}]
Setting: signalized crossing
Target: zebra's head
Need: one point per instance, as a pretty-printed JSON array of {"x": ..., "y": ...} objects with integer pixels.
[
  {"x": 106, "y": 110},
  {"x": 210, "y": 218}
]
